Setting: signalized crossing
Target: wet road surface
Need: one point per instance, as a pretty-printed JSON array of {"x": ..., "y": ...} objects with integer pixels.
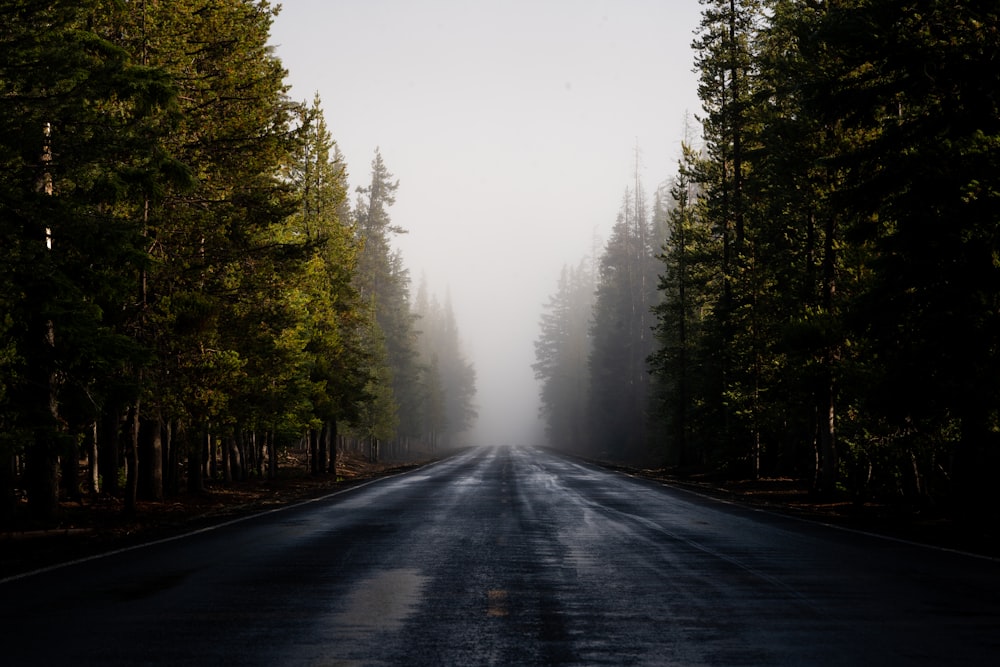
[{"x": 511, "y": 557}]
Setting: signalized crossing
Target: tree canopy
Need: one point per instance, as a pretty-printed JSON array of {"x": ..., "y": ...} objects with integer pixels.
[
  {"x": 827, "y": 280},
  {"x": 185, "y": 288}
]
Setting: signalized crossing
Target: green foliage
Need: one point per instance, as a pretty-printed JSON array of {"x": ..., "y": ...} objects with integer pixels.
[
  {"x": 621, "y": 338},
  {"x": 562, "y": 353},
  {"x": 377, "y": 408},
  {"x": 448, "y": 381},
  {"x": 175, "y": 239},
  {"x": 383, "y": 284},
  {"x": 78, "y": 150},
  {"x": 682, "y": 316},
  {"x": 846, "y": 270}
]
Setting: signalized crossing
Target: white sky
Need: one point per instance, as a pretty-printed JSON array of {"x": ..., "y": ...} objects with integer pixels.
[{"x": 511, "y": 126}]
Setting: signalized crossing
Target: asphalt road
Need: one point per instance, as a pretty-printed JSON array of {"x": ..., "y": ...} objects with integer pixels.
[{"x": 511, "y": 557}]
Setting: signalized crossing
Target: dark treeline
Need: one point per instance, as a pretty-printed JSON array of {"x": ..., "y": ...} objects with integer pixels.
[
  {"x": 185, "y": 289},
  {"x": 828, "y": 284}
]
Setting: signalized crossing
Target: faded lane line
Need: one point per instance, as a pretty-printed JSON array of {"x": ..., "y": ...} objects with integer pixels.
[
  {"x": 497, "y": 603},
  {"x": 207, "y": 529},
  {"x": 771, "y": 512}
]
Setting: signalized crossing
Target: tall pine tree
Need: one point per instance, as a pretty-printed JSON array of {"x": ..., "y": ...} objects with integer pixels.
[
  {"x": 621, "y": 334},
  {"x": 562, "y": 352}
]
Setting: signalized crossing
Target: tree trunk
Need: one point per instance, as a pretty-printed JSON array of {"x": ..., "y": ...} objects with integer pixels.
[
  {"x": 826, "y": 445},
  {"x": 42, "y": 454},
  {"x": 249, "y": 443},
  {"x": 322, "y": 465},
  {"x": 195, "y": 461},
  {"x": 226, "y": 443},
  {"x": 93, "y": 468},
  {"x": 735, "y": 81},
  {"x": 211, "y": 471},
  {"x": 69, "y": 478},
  {"x": 244, "y": 454},
  {"x": 272, "y": 456},
  {"x": 174, "y": 447},
  {"x": 826, "y": 396},
  {"x": 132, "y": 461},
  {"x": 108, "y": 444},
  {"x": 42, "y": 473},
  {"x": 257, "y": 443},
  {"x": 232, "y": 456},
  {"x": 333, "y": 447},
  {"x": 8, "y": 497},
  {"x": 313, "y": 437},
  {"x": 151, "y": 459}
]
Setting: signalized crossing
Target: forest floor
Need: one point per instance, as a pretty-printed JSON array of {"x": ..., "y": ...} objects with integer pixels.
[{"x": 97, "y": 525}]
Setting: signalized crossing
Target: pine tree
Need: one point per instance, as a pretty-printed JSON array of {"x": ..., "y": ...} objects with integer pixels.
[
  {"x": 621, "y": 332},
  {"x": 686, "y": 298},
  {"x": 81, "y": 152},
  {"x": 316, "y": 261},
  {"x": 801, "y": 236},
  {"x": 915, "y": 90},
  {"x": 562, "y": 350},
  {"x": 446, "y": 370},
  {"x": 234, "y": 133},
  {"x": 378, "y": 418},
  {"x": 383, "y": 282},
  {"x": 725, "y": 58}
]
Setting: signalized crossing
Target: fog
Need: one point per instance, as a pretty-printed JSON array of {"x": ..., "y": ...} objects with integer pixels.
[{"x": 512, "y": 127}]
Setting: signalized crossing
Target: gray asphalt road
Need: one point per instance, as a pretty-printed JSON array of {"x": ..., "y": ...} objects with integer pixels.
[{"x": 511, "y": 557}]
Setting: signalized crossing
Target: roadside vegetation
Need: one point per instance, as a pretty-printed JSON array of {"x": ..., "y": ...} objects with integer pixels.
[
  {"x": 187, "y": 293},
  {"x": 814, "y": 296}
]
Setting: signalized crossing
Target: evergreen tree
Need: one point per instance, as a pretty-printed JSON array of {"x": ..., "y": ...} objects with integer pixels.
[
  {"x": 916, "y": 89},
  {"x": 434, "y": 403},
  {"x": 621, "y": 334},
  {"x": 686, "y": 298},
  {"x": 562, "y": 350},
  {"x": 725, "y": 59},
  {"x": 801, "y": 237},
  {"x": 847, "y": 188},
  {"x": 378, "y": 411},
  {"x": 448, "y": 379},
  {"x": 313, "y": 303},
  {"x": 384, "y": 282},
  {"x": 235, "y": 134},
  {"x": 80, "y": 153}
]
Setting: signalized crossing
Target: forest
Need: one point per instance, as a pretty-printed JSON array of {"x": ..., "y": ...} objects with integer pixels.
[
  {"x": 186, "y": 287},
  {"x": 816, "y": 293}
]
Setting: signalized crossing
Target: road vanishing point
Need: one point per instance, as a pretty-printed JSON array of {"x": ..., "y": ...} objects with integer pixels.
[{"x": 511, "y": 556}]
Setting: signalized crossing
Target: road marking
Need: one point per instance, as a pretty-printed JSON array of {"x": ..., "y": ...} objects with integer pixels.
[
  {"x": 206, "y": 529},
  {"x": 594, "y": 467},
  {"x": 497, "y": 606},
  {"x": 825, "y": 524},
  {"x": 814, "y": 522}
]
